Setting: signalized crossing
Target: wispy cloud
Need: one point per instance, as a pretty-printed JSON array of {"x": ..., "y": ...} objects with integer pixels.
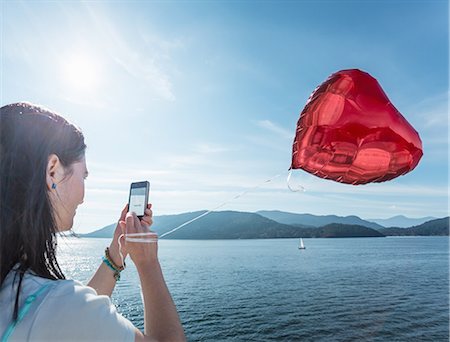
[
  {"x": 262, "y": 141},
  {"x": 198, "y": 154},
  {"x": 205, "y": 148},
  {"x": 271, "y": 126},
  {"x": 142, "y": 69},
  {"x": 141, "y": 61},
  {"x": 431, "y": 112},
  {"x": 430, "y": 118}
]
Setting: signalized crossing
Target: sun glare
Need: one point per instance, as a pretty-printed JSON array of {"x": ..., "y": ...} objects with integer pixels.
[{"x": 82, "y": 72}]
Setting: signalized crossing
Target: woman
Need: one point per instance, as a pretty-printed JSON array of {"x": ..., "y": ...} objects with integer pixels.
[{"x": 42, "y": 172}]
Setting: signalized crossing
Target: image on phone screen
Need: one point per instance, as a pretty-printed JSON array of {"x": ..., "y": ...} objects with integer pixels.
[{"x": 138, "y": 199}]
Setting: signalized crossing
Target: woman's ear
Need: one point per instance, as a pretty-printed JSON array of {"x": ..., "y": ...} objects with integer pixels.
[{"x": 54, "y": 169}]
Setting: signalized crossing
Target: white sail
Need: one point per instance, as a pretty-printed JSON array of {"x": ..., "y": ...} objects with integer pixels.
[{"x": 302, "y": 245}]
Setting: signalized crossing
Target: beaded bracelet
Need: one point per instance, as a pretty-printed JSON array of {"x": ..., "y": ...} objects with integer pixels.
[
  {"x": 110, "y": 263},
  {"x": 116, "y": 272},
  {"x": 108, "y": 256}
]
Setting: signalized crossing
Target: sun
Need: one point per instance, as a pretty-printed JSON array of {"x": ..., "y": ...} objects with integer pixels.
[{"x": 82, "y": 72}]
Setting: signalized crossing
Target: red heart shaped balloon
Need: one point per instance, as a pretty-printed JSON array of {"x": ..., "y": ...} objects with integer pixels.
[{"x": 351, "y": 133}]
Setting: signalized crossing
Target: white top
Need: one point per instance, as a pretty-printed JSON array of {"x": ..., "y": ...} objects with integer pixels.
[{"x": 66, "y": 311}]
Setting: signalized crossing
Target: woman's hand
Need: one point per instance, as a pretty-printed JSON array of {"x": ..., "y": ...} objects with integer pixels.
[
  {"x": 114, "y": 247},
  {"x": 140, "y": 252}
]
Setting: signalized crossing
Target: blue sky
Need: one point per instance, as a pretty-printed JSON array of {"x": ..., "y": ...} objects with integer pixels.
[{"x": 202, "y": 98}]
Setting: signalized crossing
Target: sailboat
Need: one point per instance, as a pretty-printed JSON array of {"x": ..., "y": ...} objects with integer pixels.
[{"x": 302, "y": 245}]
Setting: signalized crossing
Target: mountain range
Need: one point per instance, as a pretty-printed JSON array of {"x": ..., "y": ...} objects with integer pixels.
[
  {"x": 401, "y": 221},
  {"x": 433, "y": 227},
  {"x": 274, "y": 224},
  {"x": 314, "y": 220}
]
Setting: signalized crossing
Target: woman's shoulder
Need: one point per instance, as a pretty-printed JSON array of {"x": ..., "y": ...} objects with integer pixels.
[
  {"x": 74, "y": 296},
  {"x": 75, "y": 311},
  {"x": 32, "y": 283},
  {"x": 69, "y": 287},
  {"x": 79, "y": 313}
]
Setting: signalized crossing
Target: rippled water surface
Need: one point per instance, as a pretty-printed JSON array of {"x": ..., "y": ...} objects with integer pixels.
[{"x": 371, "y": 289}]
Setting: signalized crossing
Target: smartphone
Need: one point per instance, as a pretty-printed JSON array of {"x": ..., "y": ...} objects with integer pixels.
[{"x": 137, "y": 202}]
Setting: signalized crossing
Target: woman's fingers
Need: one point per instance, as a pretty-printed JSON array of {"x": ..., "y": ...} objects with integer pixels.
[
  {"x": 134, "y": 225},
  {"x": 123, "y": 213},
  {"x": 148, "y": 214},
  {"x": 129, "y": 220},
  {"x": 147, "y": 220},
  {"x": 137, "y": 222}
]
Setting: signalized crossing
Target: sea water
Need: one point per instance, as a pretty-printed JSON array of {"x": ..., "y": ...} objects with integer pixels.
[{"x": 370, "y": 289}]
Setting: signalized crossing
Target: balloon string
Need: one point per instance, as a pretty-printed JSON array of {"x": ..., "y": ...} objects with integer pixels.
[
  {"x": 136, "y": 237},
  {"x": 288, "y": 181},
  {"x": 221, "y": 205},
  {"x": 122, "y": 258}
]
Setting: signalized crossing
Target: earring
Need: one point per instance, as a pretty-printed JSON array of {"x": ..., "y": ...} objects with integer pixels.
[{"x": 53, "y": 186}]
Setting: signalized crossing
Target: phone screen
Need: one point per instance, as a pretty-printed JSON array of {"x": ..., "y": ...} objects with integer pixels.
[{"x": 138, "y": 198}]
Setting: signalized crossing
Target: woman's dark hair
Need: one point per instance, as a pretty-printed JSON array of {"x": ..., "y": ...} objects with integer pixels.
[{"x": 29, "y": 134}]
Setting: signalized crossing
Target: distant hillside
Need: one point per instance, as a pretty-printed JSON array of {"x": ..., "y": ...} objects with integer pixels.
[
  {"x": 336, "y": 230},
  {"x": 161, "y": 224},
  {"x": 227, "y": 225},
  {"x": 217, "y": 225},
  {"x": 240, "y": 225},
  {"x": 431, "y": 228},
  {"x": 105, "y": 232},
  {"x": 316, "y": 221},
  {"x": 401, "y": 221}
]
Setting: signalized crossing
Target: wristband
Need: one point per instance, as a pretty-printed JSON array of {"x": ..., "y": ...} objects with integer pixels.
[{"x": 110, "y": 263}]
